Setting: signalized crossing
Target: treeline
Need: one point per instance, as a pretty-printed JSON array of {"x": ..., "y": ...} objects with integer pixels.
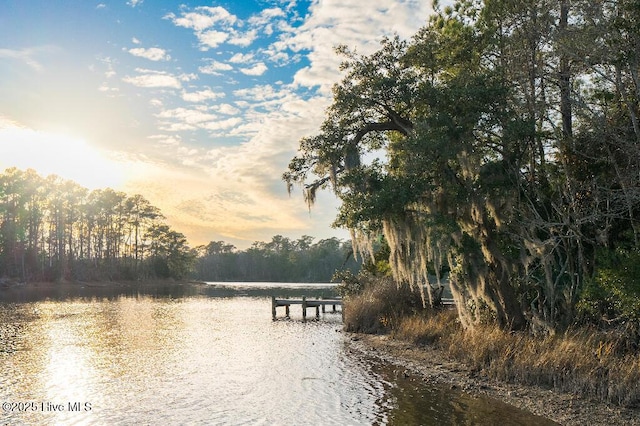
[
  {"x": 510, "y": 134},
  {"x": 280, "y": 260},
  {"x": 53, "y": 229}
]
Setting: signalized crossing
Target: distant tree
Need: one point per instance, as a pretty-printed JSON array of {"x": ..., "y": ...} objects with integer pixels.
[{"x": 280, "y": 260}]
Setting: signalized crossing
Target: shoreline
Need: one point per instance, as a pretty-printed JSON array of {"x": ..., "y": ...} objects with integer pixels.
[{"x": 432, "y": 366}]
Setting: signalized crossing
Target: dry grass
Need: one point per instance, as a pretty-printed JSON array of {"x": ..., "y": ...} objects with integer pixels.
[
  {"x": 379, "y": 308},
  {"x": 585, "y": 362},
  {"x": 588, "y": 362}
]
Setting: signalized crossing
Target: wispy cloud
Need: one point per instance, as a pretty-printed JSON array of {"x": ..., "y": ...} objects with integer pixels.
[
  {"x": 201, "y": 95},
  {"x": 190, "y": 116},
  {"x": 214, "y": 68},
  {"x": 153, "y": 79},
  {"x": 26, "y": 56}
]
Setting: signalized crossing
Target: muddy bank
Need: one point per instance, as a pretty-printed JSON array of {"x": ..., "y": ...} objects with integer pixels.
[{"x": 431, "y": 366}]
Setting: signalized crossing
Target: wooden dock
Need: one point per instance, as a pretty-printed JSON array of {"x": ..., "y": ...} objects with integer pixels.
[{"x": 305, "y": 303}]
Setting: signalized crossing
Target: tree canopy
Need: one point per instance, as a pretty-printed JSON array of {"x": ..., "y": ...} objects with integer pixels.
[
  {"x": 280, "y": 260},
  {"x": 52, "y": 229},
  {"x": 498, "y": 145}
]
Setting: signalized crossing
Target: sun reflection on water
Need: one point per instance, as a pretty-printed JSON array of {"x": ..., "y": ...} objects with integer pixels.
[{"x": 183, "y": 361}]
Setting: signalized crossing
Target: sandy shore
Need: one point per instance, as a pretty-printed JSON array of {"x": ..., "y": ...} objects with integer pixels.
[{"x": 429, "y": 364}]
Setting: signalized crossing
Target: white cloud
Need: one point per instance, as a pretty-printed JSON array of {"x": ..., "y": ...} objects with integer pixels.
[
  {"x": 222, "y": 124},
  {"x": 188, "y": 116},
  {"x": 226, "y": 109},
  {"x": 266, "y": 16},
  {"x": 240, "y": 58},
  {"x": 135, "y": 41},
  {"x": 258, "y": 69},
  {"x": 134, "y": 3},
  {"x": 212, "y": 39},
  {"x": 204, "y": 17},
  {"x": 214, "y": 67},
  {"x": 201, "y": 95},
  {"x": 244, "y": 39},
  {"x": 259, "y": 93},
  {"x": 153, "y": 53},
  {"x": 153, "y": 79},
  {"x": 167, "y": 140},
  {"x": 188, "y": 77}
]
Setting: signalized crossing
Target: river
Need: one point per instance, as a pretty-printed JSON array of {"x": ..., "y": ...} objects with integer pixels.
[{"x": 203, "y": 354}]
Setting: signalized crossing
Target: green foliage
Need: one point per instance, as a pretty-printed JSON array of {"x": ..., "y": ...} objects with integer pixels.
[
  {"x": 516, "y": 125},
  {"x": 613, "y": 295},
  {"x": 349, "y": 284},
  {"x": 280, "y": 260}
]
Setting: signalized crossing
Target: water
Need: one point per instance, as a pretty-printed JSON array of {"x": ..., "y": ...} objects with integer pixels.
[{"x": 202, "y": 355}]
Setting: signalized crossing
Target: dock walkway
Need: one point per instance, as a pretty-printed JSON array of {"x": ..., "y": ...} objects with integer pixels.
[{"x": 305, "y": 303}]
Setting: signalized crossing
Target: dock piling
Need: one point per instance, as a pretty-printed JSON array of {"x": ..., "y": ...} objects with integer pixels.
[{"x": 305, "y": 303}]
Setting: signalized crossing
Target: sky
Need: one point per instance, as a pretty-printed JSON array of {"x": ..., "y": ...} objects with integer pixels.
[{"x": 198, "y": 106}]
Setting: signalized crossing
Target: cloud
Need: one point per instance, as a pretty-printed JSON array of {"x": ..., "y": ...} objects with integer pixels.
[
  {"x": 259, "y": 93},
  {"x": 266, "y": 16},
  {"x": 352, "y": 23},
  {"x": 23, "y": 55},
  {"x": 204, "y": 17},
  {"x": 258, "y": 69},
  {"x": 214, "y": 67},
  {"x": 167, "y": 140},
  {"x": 201, "y": 95},
  {"x": 193, "y": 117},
  {"x": 211, "y": 39},
  {"x": 222, "y": 124},
  {"x": 153, "y": 53},
  {"x": 244, "y": 39},
  {"x": 225, "y": 109},
  {"x": 240, "y": 58},
  {"x": 153, "y": 79},
  {"x": 214, "y": 26},
  {"x": 134, "y": 3}
]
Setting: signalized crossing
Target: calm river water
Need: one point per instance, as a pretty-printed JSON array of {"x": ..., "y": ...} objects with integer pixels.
[{"x": 205, "y": 355}]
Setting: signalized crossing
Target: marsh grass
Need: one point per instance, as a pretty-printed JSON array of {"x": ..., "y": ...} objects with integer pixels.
[
  {"x": 379, "y": 307},
  {"x": 585, "y": 361}
]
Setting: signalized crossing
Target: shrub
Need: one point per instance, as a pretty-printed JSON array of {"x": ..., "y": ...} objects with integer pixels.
[
  {"x": 613, "y": 296},
  {"x": 379, "y": 306}
]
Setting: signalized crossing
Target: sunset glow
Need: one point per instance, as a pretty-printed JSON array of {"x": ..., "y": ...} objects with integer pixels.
[
  {"x": 197, "y": 107},
  {"x": 58, "y": 154}
]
